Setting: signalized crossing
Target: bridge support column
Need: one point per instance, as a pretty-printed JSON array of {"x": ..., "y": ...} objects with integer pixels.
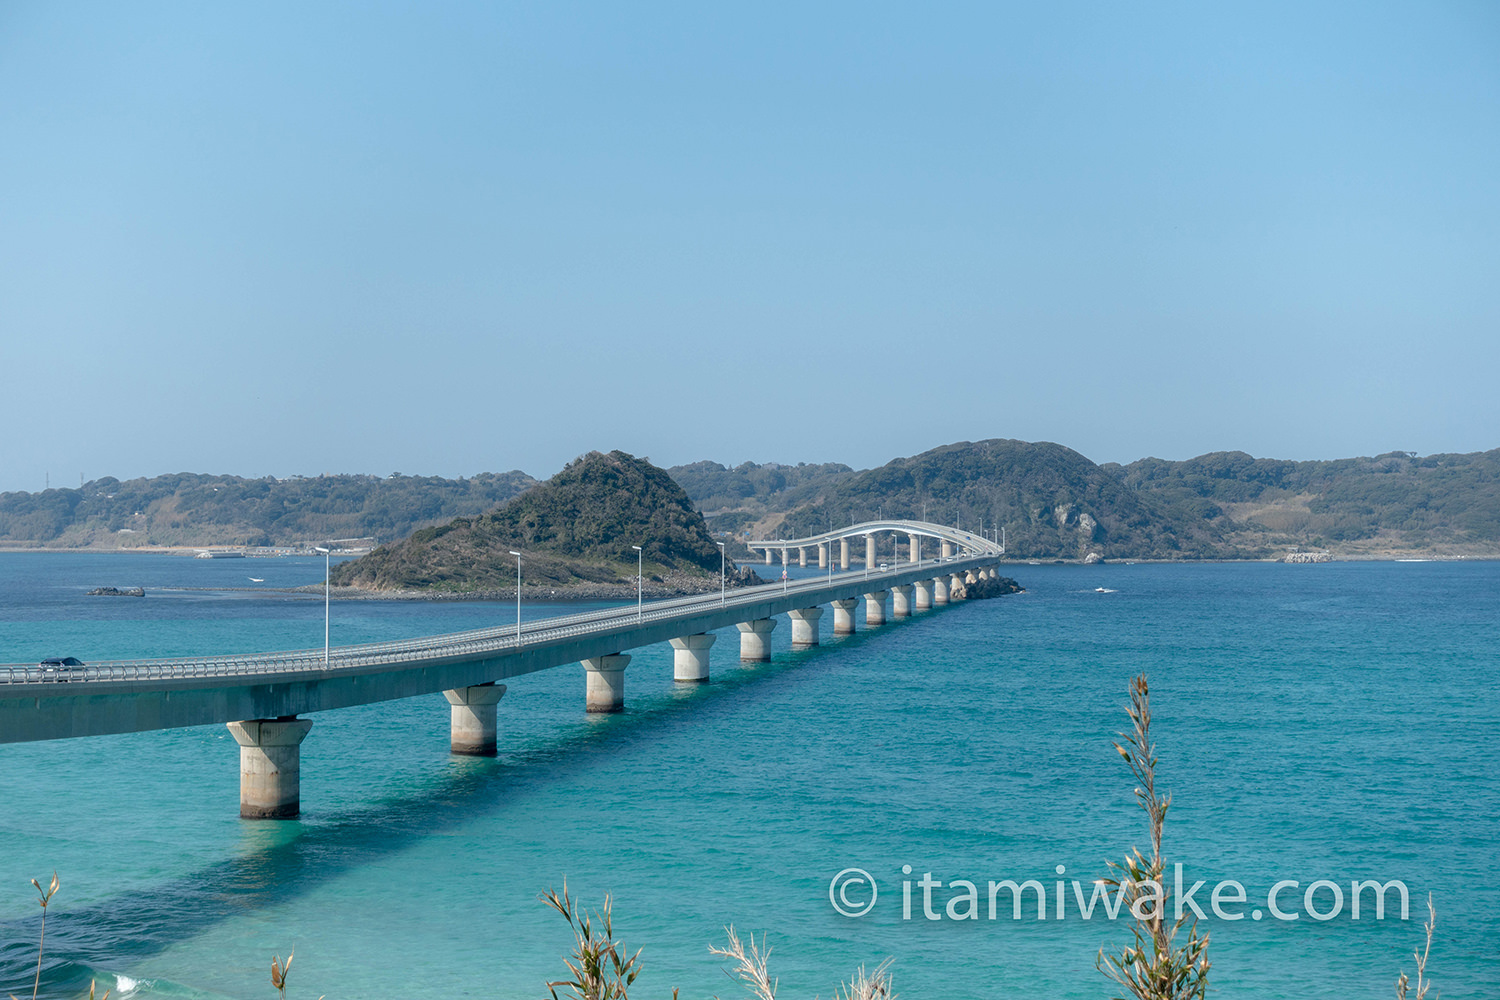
[
  {"x": 768, "y": 556},
  {"x": 957, "y": 589},
  {"x": 270, "y": 766},
  {"x": 605, "y": 687},
  {"x": 969, "y": 577},
  {"x": 755, "y": 640},
  {"x": 822, "y": 555},
  {"x": 472, "y": 723},
  {"x": 805, "y": 627},
  {"x": 922, "y": 595},
  {"x": 875, "y": 608},
  {"x": 870, "y": 550},
  {"x": 843, "y": 616},
  {"x": 947, "y": 549},
  {"x": 901, "y": 601},
  {"x": 940, "y": 590},
  {"x": 914, "y": 548},
  {"x": 994, "y": 573},
  {"x": 690, "y": 657},
  {"x": 802, "y": 556},
  {"x": 844, "y": 554}
]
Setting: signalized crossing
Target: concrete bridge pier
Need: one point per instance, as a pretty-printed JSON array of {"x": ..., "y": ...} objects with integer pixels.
[
  {"x": 875, "y": 608},
  {"x": 922, "y": 595},
  {"x": 914, "y": 547},
  {"x": 822, "y": 555},
  {"x": 755, "y": 640},
  {"x": 270, "y": 766},
  {"x": 870, "y": 550},
  {"x": 901, "y": 601},
  {"x": 605, "y": 682},
  {"x": 947, "y": 549},
  {"x": 969, "y": 577},
  {"x": 768, "y": 555},
  {"x": 805, "y": 627},
  {"x": 956, "y": 588},
  {"x": 940, "y": 590},
  {"x": 690, "y": 657},
  {"x": 472, "y": 725},
  {"x": 843, "y": 616},
  {"x": 802, "y": 556},
  {"x": 844, "y": 554}
]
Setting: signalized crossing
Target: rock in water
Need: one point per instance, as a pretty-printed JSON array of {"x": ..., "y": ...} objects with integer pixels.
[{"x": 117, "y": 592}]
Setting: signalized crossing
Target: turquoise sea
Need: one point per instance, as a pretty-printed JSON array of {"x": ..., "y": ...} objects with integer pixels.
[{"x": 1336, "y": 721}]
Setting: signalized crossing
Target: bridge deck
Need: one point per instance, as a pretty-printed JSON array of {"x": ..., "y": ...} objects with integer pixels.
[{"x": 137, "y": 695}]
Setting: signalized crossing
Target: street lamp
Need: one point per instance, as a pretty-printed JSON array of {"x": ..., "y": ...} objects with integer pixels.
[
  {"x": 639, "y": 577},
  {"x": 326, "y": 581},
  {"x": 722, "y": 592},
  {"x": 518, "y": 596}
]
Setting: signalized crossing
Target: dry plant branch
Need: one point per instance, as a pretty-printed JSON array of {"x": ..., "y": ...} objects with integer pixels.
[
  {"x": 749, "y": 965},
  {"x": 602, "y": 967},
  {"x": 1423, "y": 983},
  {"x": 45, "y": 901},
  {"x": 749, "y": 968},
  {"x": 1153, "y": 968},
  {"x": 874, "y": 986}
]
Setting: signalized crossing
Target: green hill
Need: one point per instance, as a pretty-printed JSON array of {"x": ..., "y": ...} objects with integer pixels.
[
  {"x": 1053, "y": 502},
  {"x": 732, "y": 498},
  {"x": 1390, "y": 502},
  {"x": 575, "y": 529},
  {"x": 200, "y": 510}
]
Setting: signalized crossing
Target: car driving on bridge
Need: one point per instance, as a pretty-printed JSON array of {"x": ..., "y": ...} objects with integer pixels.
[{"x": 62, "y": 668}]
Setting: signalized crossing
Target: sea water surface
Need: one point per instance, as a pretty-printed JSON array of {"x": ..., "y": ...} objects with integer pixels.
[{"x": 1334, "y": 721}]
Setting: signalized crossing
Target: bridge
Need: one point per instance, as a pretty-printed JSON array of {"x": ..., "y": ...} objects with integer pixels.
[{"x": 261, "y": 696}]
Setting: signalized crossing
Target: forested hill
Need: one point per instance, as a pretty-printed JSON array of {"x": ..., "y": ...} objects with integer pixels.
[
  {"x": 576, "y": 529},
  {"x": 1052, "y": 501},
  {"x": 1396, "y": 500},
  {"x": 1055, "y": 503},
  {"x": 199, "y": 510}
]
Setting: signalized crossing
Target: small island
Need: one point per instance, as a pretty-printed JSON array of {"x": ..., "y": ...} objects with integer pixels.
[{"x": 577, "y": 533}]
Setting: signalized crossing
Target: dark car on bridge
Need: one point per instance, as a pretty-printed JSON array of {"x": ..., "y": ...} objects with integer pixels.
[{"x": 62, "y": 668}]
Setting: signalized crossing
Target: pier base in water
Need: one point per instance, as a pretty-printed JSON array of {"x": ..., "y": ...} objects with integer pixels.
[
  {"x": 922, "y": 595},
  {"x": 875, "y": 608},
  {"x": 755, "y": 640},
  {"x": 805, "y": 627},
  {"x": 473, "y": 719},
  {"x": 843, "y": 616},
  {"x": 605, "y": 688},
  {"x": 690, "y": 657},
  {"x": 270, "y": 766}
]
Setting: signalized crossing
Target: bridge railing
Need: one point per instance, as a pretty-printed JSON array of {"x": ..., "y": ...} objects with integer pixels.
[{"x": 495, "y": 639}]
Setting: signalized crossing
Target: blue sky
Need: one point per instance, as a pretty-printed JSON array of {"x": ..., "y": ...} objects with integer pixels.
[{"x": 452, "y": 238}]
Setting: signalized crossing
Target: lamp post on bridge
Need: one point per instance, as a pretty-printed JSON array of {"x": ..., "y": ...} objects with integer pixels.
[
  {"x": 639, "y": 578},
  {"x": 721, "y": 575},
  {"x": 326, "y": 582},
  {"x": 518, "y": 596}
]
